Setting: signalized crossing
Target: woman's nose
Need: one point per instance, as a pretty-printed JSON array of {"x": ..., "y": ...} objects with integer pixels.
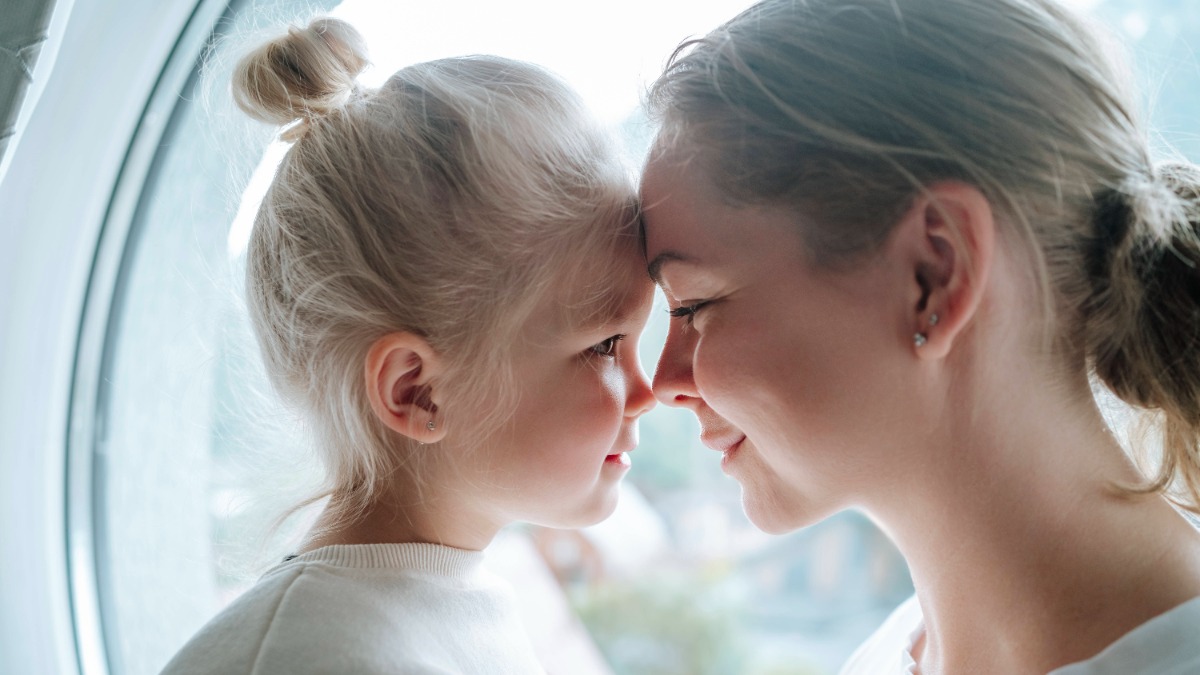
[
  {"x": 639, "y": 398},
  {"x": 673, "y": 383}
]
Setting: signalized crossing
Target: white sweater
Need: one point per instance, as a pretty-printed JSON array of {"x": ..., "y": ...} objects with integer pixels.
[
  {"x": 1168, "y": 644},
  {"x": 399, "y": 609}
]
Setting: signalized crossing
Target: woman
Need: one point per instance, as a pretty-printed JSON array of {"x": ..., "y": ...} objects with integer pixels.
[{"x": 898, "y": 237}]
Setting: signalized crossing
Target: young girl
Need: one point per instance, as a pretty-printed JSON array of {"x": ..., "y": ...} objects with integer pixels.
[
  {"x": 445, "y": 277},
  {"x": 903, "y": 240}
]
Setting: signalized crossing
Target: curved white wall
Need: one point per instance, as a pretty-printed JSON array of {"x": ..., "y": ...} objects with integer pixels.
[{"x": 53, "y": 200}]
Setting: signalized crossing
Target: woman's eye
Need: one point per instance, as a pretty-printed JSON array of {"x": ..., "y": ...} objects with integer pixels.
[
  {"x": 607, "y": 347},
  {"x": 687, "y": 311}
]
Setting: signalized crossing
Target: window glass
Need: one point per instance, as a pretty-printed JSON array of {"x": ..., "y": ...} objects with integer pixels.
[
  {"x": 178, "y": 385},
  {"x": 196, "y": 459}
]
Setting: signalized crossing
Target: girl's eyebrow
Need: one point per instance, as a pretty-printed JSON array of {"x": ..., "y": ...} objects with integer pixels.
[{"x": 655, "y": 266}]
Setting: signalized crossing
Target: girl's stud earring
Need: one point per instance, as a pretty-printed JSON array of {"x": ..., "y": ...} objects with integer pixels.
[
  {"x": 430, "y": 425},
  {"x": 919, "y": 339},
  {"x": 933, "y": 319}
]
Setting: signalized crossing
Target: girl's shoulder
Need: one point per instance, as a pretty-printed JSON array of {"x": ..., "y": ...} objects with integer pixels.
[
  {"x": 360, "y": 609},
  {"x": 233, "y": 640}
]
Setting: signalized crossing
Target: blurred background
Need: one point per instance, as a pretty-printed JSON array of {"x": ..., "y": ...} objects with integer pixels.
[{"x": 143, "y": 460}]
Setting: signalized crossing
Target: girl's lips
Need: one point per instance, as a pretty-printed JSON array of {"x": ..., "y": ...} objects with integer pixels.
[{"x": 621, "y": 458}]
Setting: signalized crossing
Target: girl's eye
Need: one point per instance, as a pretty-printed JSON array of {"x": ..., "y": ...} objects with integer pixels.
[
  {"x": 607, "y": 347},
  {"x": 687, "y": 311}
]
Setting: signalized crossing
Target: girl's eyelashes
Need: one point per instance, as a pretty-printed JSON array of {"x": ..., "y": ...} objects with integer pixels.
[
  {"x": 607, "y": 347},
  {"x": 686, "y": 310}
]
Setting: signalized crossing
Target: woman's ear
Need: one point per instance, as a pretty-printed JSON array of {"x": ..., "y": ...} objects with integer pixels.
[
  {"x": 400, "y": 370},
  {"x": 949, "y": 233}
]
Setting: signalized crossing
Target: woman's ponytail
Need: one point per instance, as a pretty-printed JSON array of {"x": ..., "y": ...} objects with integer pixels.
[{"x": 1142, "y": 325}]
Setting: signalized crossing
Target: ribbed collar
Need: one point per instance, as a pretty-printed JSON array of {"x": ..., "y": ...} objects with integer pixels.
[{"x": 432, "y": 558}]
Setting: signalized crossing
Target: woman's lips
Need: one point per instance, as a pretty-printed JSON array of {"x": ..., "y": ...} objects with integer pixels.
[
  {"x": 730, "y": 453},
  {"x": 724, "y": 443}
]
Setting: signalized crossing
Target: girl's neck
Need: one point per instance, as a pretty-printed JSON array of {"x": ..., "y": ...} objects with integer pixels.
[
  {"x": 389, "y": 520},
  {"x": 1023, "y": 556}
]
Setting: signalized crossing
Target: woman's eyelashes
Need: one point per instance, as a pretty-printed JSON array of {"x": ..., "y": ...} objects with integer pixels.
[
  {"x": 607, "y": 347},
  {"x": 687, "y": 310}
]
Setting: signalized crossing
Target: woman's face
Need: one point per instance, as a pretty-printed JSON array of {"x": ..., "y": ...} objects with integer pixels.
[{"x": 796, "y": 372}]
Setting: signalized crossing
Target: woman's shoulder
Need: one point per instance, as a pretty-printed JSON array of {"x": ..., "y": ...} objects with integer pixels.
[
  {"x": 1168, "y": 644},
  {"x": 886, "y": 652}
]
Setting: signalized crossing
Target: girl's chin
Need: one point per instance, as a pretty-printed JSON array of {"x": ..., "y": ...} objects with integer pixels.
[{"x": 599, "y": 508}]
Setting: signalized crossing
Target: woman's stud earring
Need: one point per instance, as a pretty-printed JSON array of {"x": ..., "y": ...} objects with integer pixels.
[
  {"x": 430, "y": 425},
  {"x": 933, "y": 319},
  {"x": 919, "y": 339}
]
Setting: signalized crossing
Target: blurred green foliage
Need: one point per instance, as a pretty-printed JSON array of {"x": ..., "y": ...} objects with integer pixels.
[{"x": 680, "y": 625}]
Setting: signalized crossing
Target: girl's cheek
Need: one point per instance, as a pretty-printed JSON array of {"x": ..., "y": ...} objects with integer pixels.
[{"x": 611, "y": 390}]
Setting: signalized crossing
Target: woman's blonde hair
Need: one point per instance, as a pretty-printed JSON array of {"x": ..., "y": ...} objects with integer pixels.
[
  {"x": 449, "y": 203},
  {"x": 845, "y": 109}
]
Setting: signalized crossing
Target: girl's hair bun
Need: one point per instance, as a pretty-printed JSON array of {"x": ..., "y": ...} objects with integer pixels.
[{"x": 305, "y": 74}]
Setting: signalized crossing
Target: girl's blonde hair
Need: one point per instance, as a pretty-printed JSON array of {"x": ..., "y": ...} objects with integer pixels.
[
  {"x": 845, "y": 109},
  {"x": 449, "y": 203}
]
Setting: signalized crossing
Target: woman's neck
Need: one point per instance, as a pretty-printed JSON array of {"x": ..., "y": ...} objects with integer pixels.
[{"x": 1023, "y": 555}]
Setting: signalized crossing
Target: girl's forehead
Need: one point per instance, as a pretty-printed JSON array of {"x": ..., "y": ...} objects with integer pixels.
[
  {"x": 613, "y": 292},
  {"x": 606, "y": 290}
]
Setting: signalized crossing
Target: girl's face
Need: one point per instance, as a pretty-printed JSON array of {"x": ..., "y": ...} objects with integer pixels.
[
  {"x": 794, "y": 371},
  {"x": 560, "y": 458}
]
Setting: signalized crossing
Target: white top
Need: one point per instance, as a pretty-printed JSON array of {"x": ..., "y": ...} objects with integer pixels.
[
  {"x": 402, "y": 609},
  {"x": 1168, "y": 644}
]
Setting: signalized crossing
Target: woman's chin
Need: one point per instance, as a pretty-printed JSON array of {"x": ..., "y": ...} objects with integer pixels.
[{"x": 775, "y": 516}]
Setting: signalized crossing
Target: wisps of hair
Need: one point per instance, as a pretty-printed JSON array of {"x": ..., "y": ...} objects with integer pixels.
[{"x": 448, "y": 203}]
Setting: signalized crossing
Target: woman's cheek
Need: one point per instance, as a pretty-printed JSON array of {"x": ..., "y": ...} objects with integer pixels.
[
  {"x": 731, "y": 368},
  {"x": 713, "y": 366}
]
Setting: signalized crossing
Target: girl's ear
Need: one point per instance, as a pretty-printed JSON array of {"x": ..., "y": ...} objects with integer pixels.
[
  {"x": 400, "y": 370},
  {"x": 948, "y": 235}
]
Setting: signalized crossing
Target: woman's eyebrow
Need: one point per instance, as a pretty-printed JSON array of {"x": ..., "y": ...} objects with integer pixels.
[{"x": 655, "y": 266}]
